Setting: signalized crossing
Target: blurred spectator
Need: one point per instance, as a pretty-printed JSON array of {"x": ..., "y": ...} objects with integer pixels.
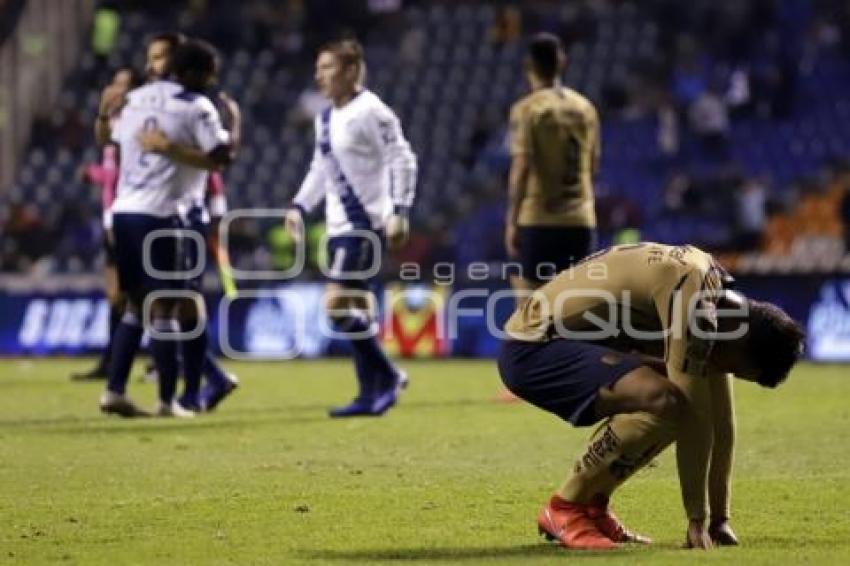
[
  {"x": 26, "y": 236},
  {"x": 412, "y": 48},
  {"x": 668, "y": 130},
  {"x": 738, "y": 95},
  {"x": 709, "y": 120},
  {"x": 675, "y": 193},
  {"x": 751, "y": 214},
  {"x": 507, "y": 27},
  {"x": 105, "y": 28},
  {"x": 688, "y": 82}
]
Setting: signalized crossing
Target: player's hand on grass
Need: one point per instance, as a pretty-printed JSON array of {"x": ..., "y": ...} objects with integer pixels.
[
  {"x": 512, "y": 240},
  {"x": 154, "y": 141},
  {"x": 293, "y": 222},
  {"x": 111, "y": 100},
  {"x": 398, "y": 231},
  {"x": 721, "y": 533},
  {"x": 698, "y": 535}
]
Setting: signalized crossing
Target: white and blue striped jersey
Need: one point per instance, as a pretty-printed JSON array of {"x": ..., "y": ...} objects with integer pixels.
[
  {"x": 362, "y": 166},
  {"x": 150, "y": 183}
]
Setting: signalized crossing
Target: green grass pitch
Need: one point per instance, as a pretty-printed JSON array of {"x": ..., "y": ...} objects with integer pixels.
[{"x": 447, "y": 477}]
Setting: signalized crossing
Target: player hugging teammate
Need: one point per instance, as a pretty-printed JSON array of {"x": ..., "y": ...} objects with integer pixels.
[{"x": 170, "y": 135}]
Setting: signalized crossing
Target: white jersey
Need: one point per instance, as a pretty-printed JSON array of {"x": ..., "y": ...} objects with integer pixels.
[
  {"x": 150, "y": 183},
  {"x": 211, "y": 202},
  {"x": 362, "y": 166}
]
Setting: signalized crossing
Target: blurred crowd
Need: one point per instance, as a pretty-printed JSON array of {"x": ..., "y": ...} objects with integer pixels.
[{"x": 695, "y": 72}]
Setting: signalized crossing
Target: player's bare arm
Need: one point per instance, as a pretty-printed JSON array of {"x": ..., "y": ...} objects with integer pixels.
[
  {"x": 156, "y": 141},
  {"x": 232, "y": 117},
  {"x": 111, "y": 100},
  {"x": 517, "y": 186}
]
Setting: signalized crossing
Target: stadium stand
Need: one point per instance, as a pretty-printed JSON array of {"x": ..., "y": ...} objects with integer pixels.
[{"x": 721, "y": 119}]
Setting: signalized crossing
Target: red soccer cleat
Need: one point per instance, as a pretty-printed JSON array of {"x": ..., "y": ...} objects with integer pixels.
[
  {"x": 569, "y": 524},
  {"x": 610, "y": 526}
]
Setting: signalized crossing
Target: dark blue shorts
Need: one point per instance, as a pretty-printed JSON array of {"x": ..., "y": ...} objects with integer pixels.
[
  {"x": 562, "y": 376},
  {"x": 350, "y": 257},
  {"x": 130, "y": 231},
  {"x": 191, "y": 252},
  {"x": 545, "y": 251}
]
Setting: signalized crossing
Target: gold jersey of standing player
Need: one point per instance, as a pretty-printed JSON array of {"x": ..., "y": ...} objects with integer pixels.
[{"x": 558, "y": 130}]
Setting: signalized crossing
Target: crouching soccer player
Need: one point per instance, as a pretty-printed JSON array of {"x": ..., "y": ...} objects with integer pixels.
[
  {"x": 632, "y": 335},
  {"x": 365, "y": 170}
]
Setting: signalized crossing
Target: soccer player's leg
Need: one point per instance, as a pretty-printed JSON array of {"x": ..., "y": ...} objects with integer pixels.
[
  {"x": 642, "y": 408},
  {"x": 219, "y": 384},
  {"x": 192, "y": 317},
  {"x": 128, "y": 232},
  {"x": 378, "y": 379},
  {"x": 196, "y": 358},
  {"x": 164, "y": 348},
  {"x": 116, "y": 301},
  {"x": 351, "y": 306},
  {"x": 565, "y": 378},
  {"x": 199, "y": 362},
  {"x": 163, "y": 312}
]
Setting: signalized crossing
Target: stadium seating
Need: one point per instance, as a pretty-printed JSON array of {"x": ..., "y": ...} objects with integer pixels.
[{"x": 450, "y": 92}]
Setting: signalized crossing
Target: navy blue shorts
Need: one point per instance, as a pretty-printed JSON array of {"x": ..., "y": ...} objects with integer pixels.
[
  {"x": 191, "y": 252},
  {"x": 562, "y": 376},
  {"x": 130, "y": 231},
  {"x": 545, "y": 251},
  {"x": 350, "y": 257}
]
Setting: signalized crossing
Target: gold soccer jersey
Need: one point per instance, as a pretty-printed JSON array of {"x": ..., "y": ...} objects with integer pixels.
[
  {"x": 558, "y": 130},
  {"x": 645, "y": 297}
]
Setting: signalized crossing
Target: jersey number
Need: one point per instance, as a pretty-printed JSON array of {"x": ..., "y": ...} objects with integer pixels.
[{"x": 150, "y": 124}]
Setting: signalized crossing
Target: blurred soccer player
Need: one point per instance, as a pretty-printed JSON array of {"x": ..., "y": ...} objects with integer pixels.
[
  {"x": 571, "y": 352},
  {"x": 365, "y": 171},
  {"x": 199, "y": 210},
  {"x": 195, "y": 216},
  {"x": 551, "y": 221},
  {"x": 150, "y": 188},
  {"x": 555, "y": 149},
  {"x": 105, "y": 175}
]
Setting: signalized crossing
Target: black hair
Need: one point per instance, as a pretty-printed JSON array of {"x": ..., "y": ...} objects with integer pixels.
[
  {"x": 174, "y": 39},
  {"x": 193, "y": 62},
  {"x": 546, "y": 55},
  {"x": 774, "y": 342}
]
